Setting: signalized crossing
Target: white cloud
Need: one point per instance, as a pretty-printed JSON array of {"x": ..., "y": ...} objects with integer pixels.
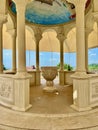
[{"x": 93, "y": 54}]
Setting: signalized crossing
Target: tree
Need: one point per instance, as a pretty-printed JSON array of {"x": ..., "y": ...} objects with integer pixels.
[
  {"x": 4, "y": 68},
  {"x": 66, "y": 67},
  {"x": 93, "y": 66}
]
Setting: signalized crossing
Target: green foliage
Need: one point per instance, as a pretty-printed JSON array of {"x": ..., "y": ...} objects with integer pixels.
[
  {"x": 66, "y": 67},
  {"x": 4, "y": 68},
  {"x": 93, "y": 67}
]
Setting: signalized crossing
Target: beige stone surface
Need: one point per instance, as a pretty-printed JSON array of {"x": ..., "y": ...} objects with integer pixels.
[
  {"x": 49, "y": 112},
  {"x": 51, "y": 40}
]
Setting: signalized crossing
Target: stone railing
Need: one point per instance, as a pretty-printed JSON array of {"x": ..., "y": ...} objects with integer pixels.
[
  {"x": 93, "y": 88},
  {"x": 14, "y": 91},
  {"x": 67, "y": 77},
  {"x": 6, "y": 90},
  {"x": 35, "y": 76}
]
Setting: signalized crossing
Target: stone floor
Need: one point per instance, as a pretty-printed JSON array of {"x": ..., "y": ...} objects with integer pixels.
[
  {"x": 53, "y": 103},
  {"x": 50, "y": 111}
]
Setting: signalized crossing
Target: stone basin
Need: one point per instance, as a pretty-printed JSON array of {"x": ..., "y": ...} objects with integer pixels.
[{"x": 49, "y": 73}]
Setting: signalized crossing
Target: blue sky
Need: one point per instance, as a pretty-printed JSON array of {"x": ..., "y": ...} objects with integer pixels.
[{"x": 49, "y": 58}]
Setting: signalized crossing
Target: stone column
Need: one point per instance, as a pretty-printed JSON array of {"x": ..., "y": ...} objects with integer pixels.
[
  {"x": 97, "y": 31},
  {"x": 21, "y": 38},
  {"x": 80, "y": 78},
  {"x": 1, "y": 48},
  {"x": 22, "y": 78},
  {"x": 87, "y": 32},
  {"x": 61, "y": 71},
  {"x": 37, "y": 39},
  {"x": 2, "y": 21},
  {"x": 80, "y": 36},
  {"x": 61, "y": 54},
  {"x": 37, "y": 54},
  {"x": 13, "y": 36}
]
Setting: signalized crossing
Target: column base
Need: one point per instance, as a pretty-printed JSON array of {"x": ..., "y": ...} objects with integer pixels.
[
  {"x": 13, "y": 70},
  {"x": 22, "y": 75},
  {"x": 80, "y": 109},
  {"x": 80, "y": 75},
  {"x": 1, "y": 72},
  {"x": 21, "y": 109},
  {"x": 81, "y": 93},
  {"x": 22, "y": 91}
]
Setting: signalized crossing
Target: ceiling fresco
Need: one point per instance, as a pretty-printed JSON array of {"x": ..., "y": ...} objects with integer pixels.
[{"x": 48, "y": 12}]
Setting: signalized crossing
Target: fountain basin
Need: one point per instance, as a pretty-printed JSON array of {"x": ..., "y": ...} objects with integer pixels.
[{"x": 49, "y": 73}]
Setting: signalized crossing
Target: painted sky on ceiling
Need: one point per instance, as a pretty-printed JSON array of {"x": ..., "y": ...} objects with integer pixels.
[{"x": 37, "y": 12}]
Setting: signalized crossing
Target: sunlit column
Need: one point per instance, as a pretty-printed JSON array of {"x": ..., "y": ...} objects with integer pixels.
[
  {"x": 1, "y": 48},
  {"x": 21, "y": 38},
  {"x": 87, "y": 32},
  {"x": 81, "y": 91},
  {"x": 22, "y": 78},
  {"x": 80, "y": 36}
]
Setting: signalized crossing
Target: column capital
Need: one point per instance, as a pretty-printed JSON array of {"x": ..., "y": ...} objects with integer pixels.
[
  {"x": 21, "y": 2},
  {"x": 20, "y": 8},
  {"x": 78, "y": 2},
  {"x": 38, "y": 37},
  {"x": 95, "y": 15},
  {"x": 88, "y": 31},
  {"x": 3, "y": 19},
  {"x": 61, "y": 38},
  {"x": 12, "y": 32}
]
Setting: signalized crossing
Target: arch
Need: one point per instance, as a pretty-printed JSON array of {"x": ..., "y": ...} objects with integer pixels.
[
  {"x": 93, "y": 40},
  {"x": 70, "y": 47},
  {"x": 30, "y": 47},
  {"x": 71, "y": 41},
  {"x": 50, "y": 30},
  {"x": 30, "y": 43},
  {"x": 10, "y": 23},
  {"x": 52, "y": 42}
]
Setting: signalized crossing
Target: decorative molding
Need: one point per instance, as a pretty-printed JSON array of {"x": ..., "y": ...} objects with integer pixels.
[
  {"x": 6, "y": 89},
  {"x": 12, "y": 32},
  {"x": 95, "y": 15},
  {"x": 94, "y": 91},
  {"x": 3, "y": 18},
  {"x": 78, "y": 2}
]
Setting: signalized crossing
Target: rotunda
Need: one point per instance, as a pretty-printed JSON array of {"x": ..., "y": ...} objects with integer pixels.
[{"x": 68, "y": 99}]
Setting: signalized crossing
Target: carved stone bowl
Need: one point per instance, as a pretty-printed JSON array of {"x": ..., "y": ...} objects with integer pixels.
[{"x": 49, "y": 73}]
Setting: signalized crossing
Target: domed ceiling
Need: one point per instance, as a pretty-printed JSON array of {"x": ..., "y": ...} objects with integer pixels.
[{"x": 48, "y": 12}]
